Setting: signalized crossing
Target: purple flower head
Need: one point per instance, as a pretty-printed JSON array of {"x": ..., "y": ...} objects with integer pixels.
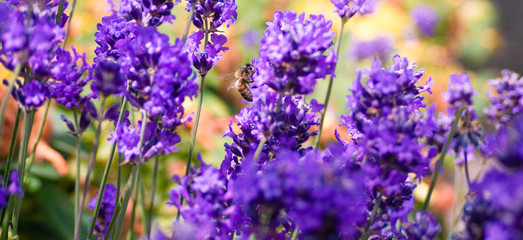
[
  {"x": 108, "y": 79},
  {"x": 425, "y": 18},
  {"x": 507, "y": 98},
  {"x": 106, "y": 211},
  {"x": 149, "y": 13},
  {"x": 294, "y": 53},
  {"x": 69, "y": 78},
  {"x": 112, "y": 32},
  {"x": 208, "y": 206},
  {"x": 29, "y": 42},
  {"x": 424, "y": 226},
  {"x": 160, "y": 75},
  {"x": 495, "y": 208},
  {"x": 203, "y": 60},
  {"x": 348, "y": 8},
  {"x": 284, "y": 121},
  {"x": 14, "y": 186},
  {"x": 460, "y": 91},
  {"x": 31, "y": 95},
  {"x": 380, "y": 47},
  {"x": 324, "y": 199},
  {"x": 505, "y": 145},
  {"x": 215, "y": 12}
]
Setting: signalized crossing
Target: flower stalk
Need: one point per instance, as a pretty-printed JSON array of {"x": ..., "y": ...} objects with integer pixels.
[
  {"x": 343, "y": 21},
  {"x": 441, "y": 159}
]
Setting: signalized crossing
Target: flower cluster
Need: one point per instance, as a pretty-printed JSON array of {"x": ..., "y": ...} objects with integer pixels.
[
  {"x": 293, "y": 53},
  {"x": 106, "y": 210},
  {"x": 209, "y": 15},
  {"x": 460, "y": 91},
  {"x": 425, "y": 18},
  {"x": 380, "y": 47},
  {"x": 390, "y": 136},
  {"x": 349, "y": 8},
  {"x": 30, "y": 95},
  {"x": 284, "y": 121},
  {"x": 12, "y": 188},
  {"x": 507, "y": 99}
]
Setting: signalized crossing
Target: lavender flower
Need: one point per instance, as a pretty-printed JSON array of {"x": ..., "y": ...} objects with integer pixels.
[
  {"x": 505, "y": 144},
  {"x": 107, "y": 79},
  {"x": 29, "y": 42},
  {"x": 284, "y": 121},
  {"x": 425, "y": 18},
  {"x": 69, "y": 78},
  {"x": 150, "y": 13},
  {"x": 208, "y": 206},
  {"x": 106, "y": 211},
  {"x": 209, "y": 15},
  {"x": 113, "y": 32},
  {"x": 31, "y": 95},
  {"x": 460, "y": 91},
  {"x": 424, "y": 226},
  {"x": 293, "y": 53},
  {"x": 392, "y": 135},
  {"x": 380, "y": 47},
  {"x": 349, "y": 8},
  {"x": 14, "y": 187},
  {"x": 323, "y": 197},
  {"x": 506, "y": 99}
]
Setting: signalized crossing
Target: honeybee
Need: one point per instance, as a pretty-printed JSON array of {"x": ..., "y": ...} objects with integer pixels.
[{"x": 243, "y": 80}]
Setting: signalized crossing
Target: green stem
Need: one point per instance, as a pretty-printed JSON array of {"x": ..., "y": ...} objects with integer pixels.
[
  {"x": 69, "y": 23},
  {"x": 331, "y": 80},
  {"x": 142, "y": 205},
  {"x": 295, "y": 233},
  {"x": 78, "y": 170},
  {"x": 7, "y": 216},
  {"x": 188, "y": 23},
  {"x": 38, "y": 137},
  {"x": 7, "y": 93},
  {"x": 132, "y": 180},
  {"x": 92, "y": 158},
  {"x": 259, "y": 149},
  {"x": 26, "y": 133},
  {"x": 60, "y": 12},
  {"x": 153, "y": 192},
  {"x": 466, "y": 168},
  {"x": 12, "y": 148},
  {"x": 441, "y": 159},
  {"x": 133, "y": 213},
  {"x": 106, "y": 174},
  {"x": 371, "y": 219}
]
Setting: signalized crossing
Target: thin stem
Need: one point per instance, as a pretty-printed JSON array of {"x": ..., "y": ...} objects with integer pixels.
[
  {"x": 371, "y": 219},
  {"x": 69, "y": 23},
  {"x": 7, "y": 216},
  {"x": 38, "y": 137},
  {"x": 133, "y": 213},
  {"x": 92, "y": 158},
  {"x": 193, "y": 137},
  {"x": 188, "y": 23},
  {"x": 295, "y": 233},
  {"x": 331, "y": 80},
  {"x": 26, "y": 133},
  {"x": 60, "y": 12},
  {"x": 259, "y": 149},
  {"x": 153, "y": 192},
  {"x": 466, "y": 168},
  {"x": 12, "y": 148},
  {"x": 119, "y": 176},
  {"x": 7, "y": 171},
  {"x": 441, "y": 159},
  {"x": 106, "y": 174},
  {"x": 78, "y": 170},
  {"x": 7, "y": 93},
  {"x": 133, "y": 180},
  {"x": 142, "y": 206}
]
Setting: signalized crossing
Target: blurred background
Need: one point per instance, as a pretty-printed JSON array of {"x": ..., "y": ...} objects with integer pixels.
[{"x": 479, "y": 37}]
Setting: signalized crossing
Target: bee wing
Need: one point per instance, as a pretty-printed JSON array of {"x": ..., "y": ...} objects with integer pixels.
[
  {"x": 232, "y": 85},
  {"x": 226, "y": 76}
]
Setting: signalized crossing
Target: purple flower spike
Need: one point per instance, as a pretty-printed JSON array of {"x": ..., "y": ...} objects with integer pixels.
[
  {"x": 425, "y": 18},
  {"x": 460, "y": 91},
  {"x": 107, "y": 78},
  {"x": 424, "y": 226},
  {"x": 380, "y": 47},
  {"x": 106, "y": 211},
  {"x": 506, "y": 99},
  {"x": 295, "y": 52},
  {"x": 349, "y": 8}
]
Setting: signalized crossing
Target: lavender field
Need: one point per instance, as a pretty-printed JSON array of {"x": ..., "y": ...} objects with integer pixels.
[{"x": 259, "y": 119}]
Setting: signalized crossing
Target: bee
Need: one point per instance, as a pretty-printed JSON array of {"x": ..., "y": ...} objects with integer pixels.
[{"x": 243, "y": 80}]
